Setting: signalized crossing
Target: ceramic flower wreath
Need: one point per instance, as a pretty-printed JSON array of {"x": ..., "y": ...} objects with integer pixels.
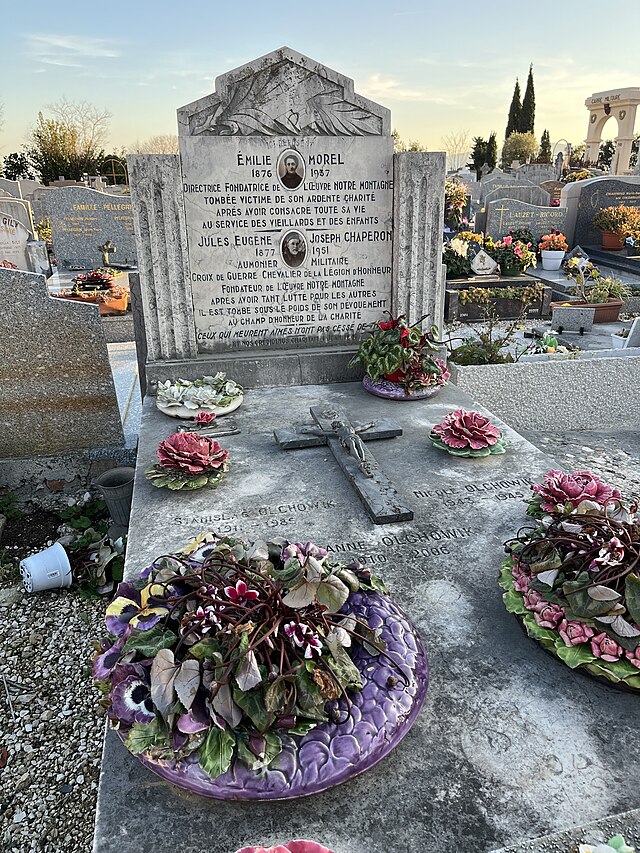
[
  {"x": 216, "y": 650},
  {"x": 293, "y": 847},
  {"x": 187, "y": 460},
  {"x": 617, "y": 844},
  {"x": 464, "y": 433},
  {"x": 573, "y": 579},
  {"x": 211, "y": 394}
]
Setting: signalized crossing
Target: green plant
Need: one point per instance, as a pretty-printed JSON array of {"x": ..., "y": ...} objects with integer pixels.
[
  {"x": 43, "y": 227},
  {"x": 524, "y": 235},
  {"x": 519, "y": 146},
  {"x": 488, "y": 345},
  {"x": 618, "y": 218},
  {"x": 9, "y": 506},
  {"x": 591, "y": 285},
  {"x": 455, "y": 257},
  {"x": 514, "y": 254},
  {"x": 581, "y": 175},
  {"x": 455, "y": 196},
  {"x": 481, "y": 295},
  {"x": 8, "y": 567},
  {"x": 82, "y": 516}
]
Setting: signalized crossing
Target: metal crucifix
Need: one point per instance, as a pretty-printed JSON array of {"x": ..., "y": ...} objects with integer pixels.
[{"x": 346, "y": 442}]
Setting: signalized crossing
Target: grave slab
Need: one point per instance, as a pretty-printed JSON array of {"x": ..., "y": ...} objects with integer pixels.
[{"x": 510, "y": 744}]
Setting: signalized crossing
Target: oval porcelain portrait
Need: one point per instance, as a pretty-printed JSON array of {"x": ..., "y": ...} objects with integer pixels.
[{"x": 290, "y": 169}]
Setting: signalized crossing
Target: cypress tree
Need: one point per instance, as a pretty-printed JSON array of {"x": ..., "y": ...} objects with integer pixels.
[
  {"x": 478, "y": 154},
  {"x": 492, "y": 151},
  {"x": 544, "y": 155},
  {"x": 528, "y": 112},
  {"x": 513, "y": 122}
]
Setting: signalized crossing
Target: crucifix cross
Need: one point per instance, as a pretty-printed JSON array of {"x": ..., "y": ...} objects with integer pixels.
[{"x": 347, "y": 443}]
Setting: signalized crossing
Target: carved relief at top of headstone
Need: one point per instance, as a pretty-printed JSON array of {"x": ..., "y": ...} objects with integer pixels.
[{"x": 284, "y": 94}]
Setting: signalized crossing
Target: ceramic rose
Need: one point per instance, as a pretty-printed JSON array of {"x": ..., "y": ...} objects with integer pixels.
[
  {"x": 188, "y": 460},
  {"x": 560, "y": 490},
  {"x": 464, "y": 433},
  {"x": 291, "y": 847}
]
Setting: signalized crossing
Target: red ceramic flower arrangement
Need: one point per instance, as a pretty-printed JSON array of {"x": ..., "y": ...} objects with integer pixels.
[
  {"x": 572, "y": 580},
  {"x": 188, "y": 461},
  {"x": 464, "y": 433},
  {"x": 290, "y": 847}
]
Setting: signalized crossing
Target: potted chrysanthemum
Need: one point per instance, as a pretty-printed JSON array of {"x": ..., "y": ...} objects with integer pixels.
[
  {"x": 552, "y": 249},
  {"x": 400, "y": 360}
]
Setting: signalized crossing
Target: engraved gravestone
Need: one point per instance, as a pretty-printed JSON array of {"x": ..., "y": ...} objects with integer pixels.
[
  {"x": 595, "y": 195},
  {"x": 528, "y": 193},
  {"x": 18, "y": 209},
  {"x": 292, "y": 226},
  {"x": 13, "y": 242},
  {"x": 505, "y": 215},
  {"x": 83, "y": 219}
]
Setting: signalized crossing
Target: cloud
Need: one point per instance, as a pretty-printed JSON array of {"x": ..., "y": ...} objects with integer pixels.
[
  {"x": 380, "y": 87},
  {"x": 67, "y": 51}
]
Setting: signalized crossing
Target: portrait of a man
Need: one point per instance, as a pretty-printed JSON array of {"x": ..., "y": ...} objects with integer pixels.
[
  {"x": 294, "y": 249},
  {"x": 290, "y": 170}
]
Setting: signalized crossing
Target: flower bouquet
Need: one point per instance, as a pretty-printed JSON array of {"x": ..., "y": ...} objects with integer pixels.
[
  {"x": 399, "y": 361},
  {"x": 210, "y": 395},
  {"x": 224, "y": 661},
  {"x": 572, "y": 580},
  {"x": 464, "y": 433},
  {"x": 187, "y": 460},
  {"x": 98, "y": 279},
  {"x": 514, "y": 256}
]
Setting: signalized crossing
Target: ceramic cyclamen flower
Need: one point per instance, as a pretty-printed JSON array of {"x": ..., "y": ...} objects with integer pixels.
[
  {"x": 298, "y": 551},
  {"x": 633, "y": 657},
  {"x": 560, "y": 489},
  {"x": 549, "y": 615},
  {"x": 575, "y": 633},
  {"x": 191, "y": 453},
  {"x": 240, "y": 593},
  {"x": 204, "y": 418},
  {"x": 464, "y": 433},
  {"x": 302, "y": 635},
  {"x": 606, "y": 648},
  {"x": 521, "y": 578}
]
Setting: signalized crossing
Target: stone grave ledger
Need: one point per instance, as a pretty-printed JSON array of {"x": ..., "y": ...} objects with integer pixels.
[
  {"x": 491, "y": 759},
  {"x": 84, "y": 219},
  {"x": 281, "y": 266},
  {"x": 279, "y": 231}
]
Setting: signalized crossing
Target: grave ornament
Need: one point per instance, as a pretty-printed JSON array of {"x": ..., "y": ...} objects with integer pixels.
[
  {"x": 106, "y": 249},
  {"x": 464, "y": 433},
  {"x": 345, "y": 440},
  {"x": 199, "y": 630},
  {"x": 188, "y": 461},
  {"x": 483, "y": 264},
  {"x": 571, "y": 581},
  {"x": 211, "y": 394}
]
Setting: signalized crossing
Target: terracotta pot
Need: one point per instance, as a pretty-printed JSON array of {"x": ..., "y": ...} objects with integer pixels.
[
  {"x": 605, "y": 312},
  {"x": 114, "y": 306},
  {"x": 612, "y": 241}
]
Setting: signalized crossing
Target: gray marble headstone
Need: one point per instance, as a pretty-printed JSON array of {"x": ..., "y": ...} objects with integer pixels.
[
  {"x": 38, "y": 257},
  {"x": 13, "y": 242},
  {"x": 12, "y": 188},
  {"x": 83, "y": 219},
  {"x": 493, "y": 181},
  {"x": 595, "y": 195},
  {"x": 506, "y": 215},
  {"x": 58, "y": 392},
  {"x": 573, "y": 319},
  {"x": 537, "y": 172},
  {"x": 527, "y": 193},
  {"x": 554, "y": 188},
  {"x": 18, "y": 209}
]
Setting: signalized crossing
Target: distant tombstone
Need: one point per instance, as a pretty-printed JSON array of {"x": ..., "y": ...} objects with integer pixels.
[
  {"x": 567, "y": 319},
  {"x": 28, "y": 187},
  {"x": 18, "y": 209},
  {"x": 485, "y": 169},
  {"x": 65, "y": 397},
  {"x": 83, "y": 219},
  {"x": 507, "y": 214},
  {"x": 537, "y": 172},
  {"x": 599, "y": 193},
  {"x": 13, "y": 242},
  {"x": 494, "y": 181},
  {"x": 515, "y": 164},
  {"x": 12, "y": 188},
  {"x": 554, "y": 188},
  {"x": 38, "y": 258},
  {"x": 527, "y": 193}
]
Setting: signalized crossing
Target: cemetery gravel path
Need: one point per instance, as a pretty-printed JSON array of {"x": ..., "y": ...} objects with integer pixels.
[{"x": 50, "y": 746}]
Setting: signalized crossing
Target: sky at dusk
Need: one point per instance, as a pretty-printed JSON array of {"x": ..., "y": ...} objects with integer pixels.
[{"x": 440, "y": 67}]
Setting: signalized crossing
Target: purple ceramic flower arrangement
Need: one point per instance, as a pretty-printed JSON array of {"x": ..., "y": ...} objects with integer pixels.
[
  {"x": 222, "y": 657},
  {"x": 573, "y": 579},
  {"x": 464, "y": 433}
]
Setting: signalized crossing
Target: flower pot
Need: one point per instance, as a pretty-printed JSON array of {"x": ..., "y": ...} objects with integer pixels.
[
  {"x": 617, "y": 342},
  {"x": 49, "y": 569},
  {"x": 552, "y": 259},
  {"x": 383, "y": 387},
  {"x": 118, "y": 305},
  {"x": 116, "y": 486},
  {"x": 612, "y": 241},
  {"x": 605, "y": 312}
]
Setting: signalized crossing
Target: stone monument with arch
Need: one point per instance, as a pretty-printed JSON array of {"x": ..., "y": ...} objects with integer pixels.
[{"x": 620, "y": 104}]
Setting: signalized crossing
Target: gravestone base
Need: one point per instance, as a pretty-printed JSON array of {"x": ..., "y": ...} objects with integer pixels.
[
  {"x": 259, "y": 370},
  {"x": 505, "y": 747},
  {"x": 506, "y": 308}
]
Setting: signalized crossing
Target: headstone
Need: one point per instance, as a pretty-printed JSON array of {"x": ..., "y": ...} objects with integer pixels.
[
  {"x": 13, "y": 242},
  {"x": 58, "y": 391},
  {"x": 596, "y": 194},
  {"x": 527, "y": 193},
  {"x": 537, "y": 172},
  {"x": 508, "y": 214},
  {"x": 554, "y": 188},
  {"x": 84, "y": 219},
  {"x": 38, "y": 257},
  {"x": 18, "y": 209},
  {"x": 287, "y": 226},
  {"x": 567, "y": 319},
  {"x": 10, "y": 187},
  {"x": 493, "y": 181}
]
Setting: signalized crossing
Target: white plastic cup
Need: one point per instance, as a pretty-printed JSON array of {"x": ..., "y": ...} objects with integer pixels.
[{"x": 48, "y": 569}]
